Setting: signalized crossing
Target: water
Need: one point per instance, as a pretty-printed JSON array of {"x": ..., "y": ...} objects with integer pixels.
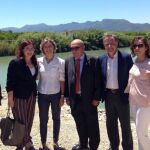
[{"x": 4, "y": 61}]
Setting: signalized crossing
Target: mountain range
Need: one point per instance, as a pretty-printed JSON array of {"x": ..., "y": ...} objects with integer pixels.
[{"x": 106, "y": 24}]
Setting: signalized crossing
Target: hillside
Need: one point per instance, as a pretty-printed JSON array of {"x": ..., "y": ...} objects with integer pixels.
[{"x": 105, "y": 24}]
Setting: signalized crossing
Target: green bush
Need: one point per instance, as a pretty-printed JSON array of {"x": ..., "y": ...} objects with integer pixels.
[{"x": 92, "y": 39}]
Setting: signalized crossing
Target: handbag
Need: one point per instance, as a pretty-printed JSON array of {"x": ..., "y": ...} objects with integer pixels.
[{"x": 12, "y": 131}]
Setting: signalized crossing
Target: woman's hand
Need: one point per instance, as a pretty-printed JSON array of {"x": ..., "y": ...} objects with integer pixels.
[
  {"x": 148, "y": 74},
  {"x": 10, "y": 99},
  {"x": 10, "y": 103},
  {"x": 68, "y": 101},
  {"x": 61, "y": 102},
  {"x": 95, "y": 103}
]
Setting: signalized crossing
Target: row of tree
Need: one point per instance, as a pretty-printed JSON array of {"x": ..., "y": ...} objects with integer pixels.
[{"x": 92, "y": 38}]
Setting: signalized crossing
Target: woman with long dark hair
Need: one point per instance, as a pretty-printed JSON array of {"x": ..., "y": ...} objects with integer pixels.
[{"x": 21, "y": 88}]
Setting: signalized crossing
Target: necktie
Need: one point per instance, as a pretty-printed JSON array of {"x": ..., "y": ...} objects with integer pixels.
[{"x": 77, "y": 70}]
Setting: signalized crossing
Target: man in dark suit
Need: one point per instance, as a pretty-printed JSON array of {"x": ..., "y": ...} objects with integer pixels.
[
  {"x": 82, "y": 95},
  {"x": 113, "y": 70}
]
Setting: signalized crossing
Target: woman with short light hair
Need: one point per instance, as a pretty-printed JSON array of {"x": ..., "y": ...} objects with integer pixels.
[{"x": 50, "y": 90}]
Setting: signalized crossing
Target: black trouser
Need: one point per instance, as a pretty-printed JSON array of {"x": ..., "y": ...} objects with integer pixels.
[
  {"x": 115, "y": 109},
  {"x": 86, "y": 124},
  {"x": 44, "y": 102}
]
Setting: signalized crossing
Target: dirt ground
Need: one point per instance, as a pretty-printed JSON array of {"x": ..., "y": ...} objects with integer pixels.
[{"x": 68, "y": 135}]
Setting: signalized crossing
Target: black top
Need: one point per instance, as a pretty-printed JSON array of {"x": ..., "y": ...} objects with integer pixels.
[{"x": 20, "y": 79}]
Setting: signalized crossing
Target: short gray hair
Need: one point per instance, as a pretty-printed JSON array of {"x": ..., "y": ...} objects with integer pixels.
[{"x": 110, "y": 35}]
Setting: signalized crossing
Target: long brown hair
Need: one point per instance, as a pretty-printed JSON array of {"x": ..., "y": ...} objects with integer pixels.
[
  {"x": 145, "y": 42},
  {"x": 22, "y": 45}
]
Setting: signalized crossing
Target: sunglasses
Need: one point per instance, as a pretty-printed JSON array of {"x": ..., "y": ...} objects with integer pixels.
[
  {"x": 138, "y": 45},
  {"x": 75, "y": 48}
]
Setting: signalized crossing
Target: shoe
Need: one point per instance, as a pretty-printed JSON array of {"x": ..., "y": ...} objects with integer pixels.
[
  {"x": 19, "y": 148},
  {"x": 57, "y": 147},
  {"x": 30, "y": 148},
  {"x": 44, "y": 148},
  {"x": 112, "y": 149},
  {"x": 78, "y": 147}
]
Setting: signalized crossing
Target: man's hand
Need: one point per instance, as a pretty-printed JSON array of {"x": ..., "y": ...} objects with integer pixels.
[{"x": 95, "y": 103}]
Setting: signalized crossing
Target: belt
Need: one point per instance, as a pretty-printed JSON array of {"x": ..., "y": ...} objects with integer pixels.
[{"x": 113, "y": 90}]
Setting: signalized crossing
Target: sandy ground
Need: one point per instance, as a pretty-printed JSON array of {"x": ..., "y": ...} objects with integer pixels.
[{"x": 68, "y": 135}]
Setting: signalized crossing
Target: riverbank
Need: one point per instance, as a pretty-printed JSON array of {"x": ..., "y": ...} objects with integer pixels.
[{"x": 68, "y": 134}]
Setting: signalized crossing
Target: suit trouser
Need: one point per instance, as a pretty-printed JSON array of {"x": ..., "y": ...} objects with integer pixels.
[
  {"x": 116, "y": 109},
  {"x": 142, "y": 120},
  {"x": 44, "y": 102},
  {"x": 87, "y": 125}
]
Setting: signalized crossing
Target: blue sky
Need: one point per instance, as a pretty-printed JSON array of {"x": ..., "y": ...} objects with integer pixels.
[{"x": 16, "y": 13}]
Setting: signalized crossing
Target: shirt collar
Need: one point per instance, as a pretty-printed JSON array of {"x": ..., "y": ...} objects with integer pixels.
[
  {"x": 115, "y": 56},
  {"x": 82, "y": 57},
  {"x": 53, "y": 59}
]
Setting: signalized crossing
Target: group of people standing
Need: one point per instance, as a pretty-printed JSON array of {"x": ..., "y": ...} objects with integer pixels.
[{"x": 83, "y": 82}]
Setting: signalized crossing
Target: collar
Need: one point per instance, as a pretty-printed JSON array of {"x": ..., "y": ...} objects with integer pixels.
[
  {"x": 115, "y": 56},
  {"x": 82, "y": 57}
]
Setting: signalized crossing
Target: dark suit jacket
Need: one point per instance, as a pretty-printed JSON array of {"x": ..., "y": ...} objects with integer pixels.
[
  {"x": 88, "y": 82},
  {"x": 20, "y": 79},
  {"x": 124, "y": 64}
]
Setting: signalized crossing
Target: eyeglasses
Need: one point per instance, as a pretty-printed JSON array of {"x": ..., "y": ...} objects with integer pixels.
[
  {"x": 75, "y": 48},
  {"x": 138, "y": 45}
]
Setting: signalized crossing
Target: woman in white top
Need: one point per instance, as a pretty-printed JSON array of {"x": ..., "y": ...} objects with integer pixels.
[
  {"x": 139, "y": 90},
  {"x": 50, "y": 90}
]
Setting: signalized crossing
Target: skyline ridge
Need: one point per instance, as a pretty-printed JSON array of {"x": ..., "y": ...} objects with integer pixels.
[
  {"x": 43, "y": 23},
  {"x": 104, "y": 24}
]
